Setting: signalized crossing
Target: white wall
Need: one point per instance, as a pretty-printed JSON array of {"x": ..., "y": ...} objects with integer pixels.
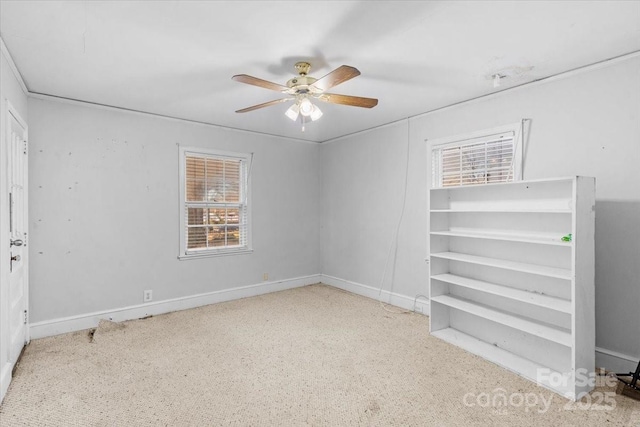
[
  {"x": 587, "y": 123},
  {"x": 362, "y": 195},
  {"x": 104, "y": 209},
  {"x": 11, "y": 91}
]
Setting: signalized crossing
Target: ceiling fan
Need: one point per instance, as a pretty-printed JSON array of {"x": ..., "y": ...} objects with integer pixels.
[{"x": 304, "y": 88}]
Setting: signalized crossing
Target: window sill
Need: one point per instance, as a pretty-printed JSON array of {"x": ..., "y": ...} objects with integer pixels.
[{"x": 212, "y": 254}]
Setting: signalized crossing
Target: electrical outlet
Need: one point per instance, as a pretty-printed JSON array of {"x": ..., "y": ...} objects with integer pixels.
[
  {"x": 147, "y": 295},
  {"x": 265, "y": 276}
]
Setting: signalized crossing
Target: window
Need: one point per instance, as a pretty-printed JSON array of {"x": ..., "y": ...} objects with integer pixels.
[
  {"x": 214, "y": 209},
  {"x": 481, "y": 158}
]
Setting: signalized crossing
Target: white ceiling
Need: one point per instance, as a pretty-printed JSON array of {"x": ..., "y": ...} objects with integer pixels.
[{"x": 177, "y": 58}]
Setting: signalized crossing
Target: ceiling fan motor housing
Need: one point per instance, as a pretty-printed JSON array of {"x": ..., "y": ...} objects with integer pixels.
[{"x": 301, "y": 84}]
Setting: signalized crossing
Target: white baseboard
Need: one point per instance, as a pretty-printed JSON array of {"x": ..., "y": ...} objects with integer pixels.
[
  {"x": 615, "y": 361},
  {"x": 609, "y": 359},
  {"x": 399, "y": 300},
  {"x": 5, "y": 379},
  {"x": 90, "y": 320}
]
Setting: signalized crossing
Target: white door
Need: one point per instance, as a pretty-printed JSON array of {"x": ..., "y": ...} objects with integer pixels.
[{"x": 18, "y": 272}]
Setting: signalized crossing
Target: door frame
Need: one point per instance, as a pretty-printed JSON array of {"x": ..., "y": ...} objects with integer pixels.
[
  {"x": 7, "y": 366},
  {"x": 13, "y": 112}
]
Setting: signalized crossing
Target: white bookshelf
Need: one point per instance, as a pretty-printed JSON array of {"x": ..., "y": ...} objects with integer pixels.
[{"x": 505, "y": 286}]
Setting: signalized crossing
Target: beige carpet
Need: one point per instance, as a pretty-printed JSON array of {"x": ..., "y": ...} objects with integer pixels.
[{"x": 312, "y": 356}]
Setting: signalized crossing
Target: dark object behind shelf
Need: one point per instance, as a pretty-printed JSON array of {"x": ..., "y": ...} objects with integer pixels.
[{"x": 631, "y": 387}]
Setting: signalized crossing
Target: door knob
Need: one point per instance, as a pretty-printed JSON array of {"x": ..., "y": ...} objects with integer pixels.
[
  {"x": 15, "y": 258},
  {"x": 16, "y": 242}
]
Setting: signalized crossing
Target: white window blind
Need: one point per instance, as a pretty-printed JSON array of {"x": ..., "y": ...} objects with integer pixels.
[
  {"x": 215, "y": 203},
  {"x": 481, "y": 160}
]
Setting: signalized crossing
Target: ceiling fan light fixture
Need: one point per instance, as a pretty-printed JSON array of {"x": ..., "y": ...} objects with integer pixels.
[
  {"x": 293, "y": 112},
  {"x": 306, "y": 107},
  {"x": 315, "y": 114}
]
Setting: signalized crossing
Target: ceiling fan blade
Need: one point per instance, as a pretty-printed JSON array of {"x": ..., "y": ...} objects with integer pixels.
[
  {"x": 265, "y": 104},
  {"x": 337, "y": 76},
  {"x": 354, "y": 101},
  {"x": 243, "y": 78}
]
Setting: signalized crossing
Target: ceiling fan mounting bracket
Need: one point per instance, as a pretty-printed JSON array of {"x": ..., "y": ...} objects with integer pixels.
[{"x": 303, "y": 68}]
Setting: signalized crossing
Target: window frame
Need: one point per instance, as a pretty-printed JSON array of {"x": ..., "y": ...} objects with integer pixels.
[
  {"x": 183, "y": 252},
  {"x": 518, "y": 160},
  {"x": 462, "y": 139}
]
